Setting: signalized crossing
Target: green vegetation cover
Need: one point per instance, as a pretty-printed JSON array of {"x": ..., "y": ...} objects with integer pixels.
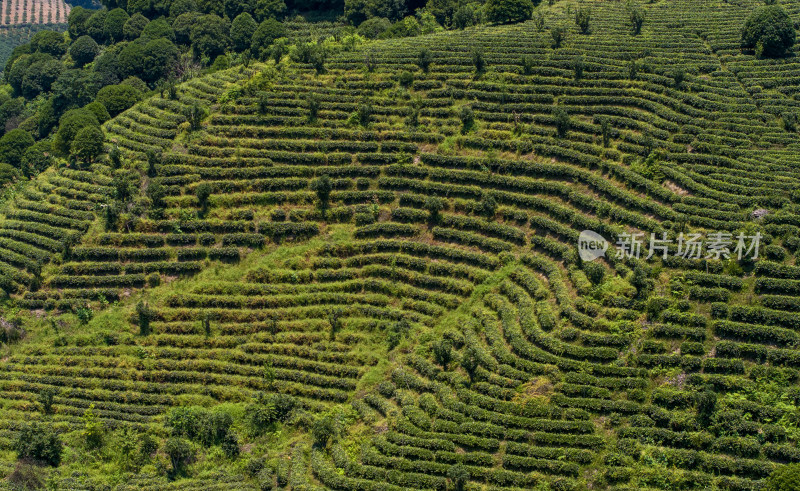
[{"x": 389, "y": 246}]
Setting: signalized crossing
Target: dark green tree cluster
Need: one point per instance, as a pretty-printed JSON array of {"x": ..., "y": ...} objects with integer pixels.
[{"x": 769, "y": 32}]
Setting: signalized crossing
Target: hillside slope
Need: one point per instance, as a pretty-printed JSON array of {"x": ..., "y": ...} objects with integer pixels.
[{"x": 431, "y": 315}]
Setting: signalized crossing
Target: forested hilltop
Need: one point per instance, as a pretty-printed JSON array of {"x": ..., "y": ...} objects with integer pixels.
[{"x": 449, "y": 246}]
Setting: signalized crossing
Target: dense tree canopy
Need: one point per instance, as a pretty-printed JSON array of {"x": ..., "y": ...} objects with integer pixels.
[
  {"x": 508, "y": 11},
  {"x": 209, "y": 35},
  {"x": 242, "y": 29},
  {"x": 358, "y": 11},
  {"x": 68, "y": 127},
  {"x": 266, "y": 34},
  {"x": 160, "y": 57},
  {"x": 87, "y": 144},
  {"x": 107, "y": 65},
  {"x": 134, "y": 26},
  {"x": 117, "y": 98},
  {"x": 159, "y": 28},
  {"x": 84, "y": 50},
  {"x": 114, "y": 25},
  {"x": 75, "y": 88},
  {"x": 769, "y": 31},
  {"x": 269, "y": 9},
  {"x": 95, "y": 25},
  {"x": 179, "y": 7},
  {"x": 99, "y": 111},
  {"x": 39, "y": 77},
  {"x": 131, "y": 59},
  {"x": 13, "y": 145},
  {"x": 49, "y": 42},
  {"x": 76, "y": 21}
]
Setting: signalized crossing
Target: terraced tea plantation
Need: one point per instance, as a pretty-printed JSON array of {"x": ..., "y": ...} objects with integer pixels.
[{"x": 367, "y": 275}]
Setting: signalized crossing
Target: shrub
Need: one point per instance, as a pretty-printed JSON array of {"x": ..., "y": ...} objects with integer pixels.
[
  {"x": 25, "y": 476},
  {"x": 46, "y": 397},
  {"x": 203, "y": 192},
  {"x": 578, "y": 65},
  {"x": 396, "y": 332},
  {"x": 322, "y": 186},
  {"x": 443, "y": 351},
  {"x": 458, "y": 475},
  {"x": 558, "y": 33},
  {"x": 434, "y": 205},
  {"x": 769, "y": 31},
  {"x": 636, "y": 18},
  {"x": 583, "y": 18},
  {"x": 143, "y": 315},
  {"x": 312, "y": 103},
  {"x": 470, "y": 362},
  {"x": 678, "y": 76},
  {"x": 478, "y": 61},
  {"x": 365, "y": 114},
  {"x": 467, "y": 117},
  {"x": 198, "y": 424},
  {"x": 195, "y": 115},
  {"x": 93, "y": 431},
  {"x": 594, "y": 271},
  {"x": 692, "y": 348},
  {"x": 424, "y": 59},
  {"x": 508, "y": 11},
  {"x": 605, "y": 132},
  {"x": 335, "y": 322},
  {"x": 324, "y": 429},
  {"x": 38, "y": 443},
  {"x": 267, "y": 409},
  {"x": 154, "y": 280},
  {"x": 488, "y": 205},
  {"x": 706, "y": 404},
  {"x": 562, "y": 121},
  {"x": 527, "y": 65},
  {"x": 153, "y": 162},
  {"x": 406, "y": 79},
  {"x": 180, "y": 453}
]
